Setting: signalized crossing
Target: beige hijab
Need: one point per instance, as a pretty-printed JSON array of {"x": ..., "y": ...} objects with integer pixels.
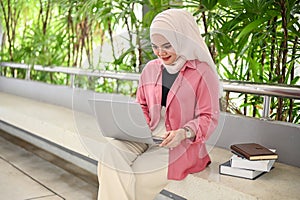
[{"x": 179, "y": 27}]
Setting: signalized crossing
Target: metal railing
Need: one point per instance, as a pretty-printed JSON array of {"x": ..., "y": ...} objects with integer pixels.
[{"x": 267, "y": 91}]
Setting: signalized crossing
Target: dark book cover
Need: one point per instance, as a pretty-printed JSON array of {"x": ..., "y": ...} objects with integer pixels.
[{"x": 254, "y": 151}]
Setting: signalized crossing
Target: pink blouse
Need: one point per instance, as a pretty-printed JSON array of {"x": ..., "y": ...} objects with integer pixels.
[{"x": 192, "y": 102}]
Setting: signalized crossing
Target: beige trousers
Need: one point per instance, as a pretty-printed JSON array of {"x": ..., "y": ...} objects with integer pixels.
[{"x": 132, "y": 171}]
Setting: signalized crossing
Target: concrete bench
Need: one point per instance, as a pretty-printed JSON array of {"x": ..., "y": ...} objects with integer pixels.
[{"x": 55, "y": 128}]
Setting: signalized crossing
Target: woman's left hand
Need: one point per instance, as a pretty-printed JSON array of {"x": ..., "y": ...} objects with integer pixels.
[{"x": 173, "y": 138}]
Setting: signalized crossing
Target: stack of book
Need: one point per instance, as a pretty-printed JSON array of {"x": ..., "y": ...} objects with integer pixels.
[{"x": 249, "y": 160}]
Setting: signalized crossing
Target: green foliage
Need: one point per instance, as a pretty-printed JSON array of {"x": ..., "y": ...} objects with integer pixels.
[{"x": 250, "y": 40}]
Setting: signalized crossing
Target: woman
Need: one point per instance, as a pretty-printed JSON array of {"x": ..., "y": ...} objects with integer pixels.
[{"x": 179, "y": 94}]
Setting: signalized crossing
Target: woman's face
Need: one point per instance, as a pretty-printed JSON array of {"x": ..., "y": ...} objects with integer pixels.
[{"x": 163, "y": 49}]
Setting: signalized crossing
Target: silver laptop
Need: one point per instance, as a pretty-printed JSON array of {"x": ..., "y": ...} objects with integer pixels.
[{"x": 122, "y": 120}]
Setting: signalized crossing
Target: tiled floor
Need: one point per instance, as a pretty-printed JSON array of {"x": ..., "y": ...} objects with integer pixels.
[{"x": 25, "y": 175}]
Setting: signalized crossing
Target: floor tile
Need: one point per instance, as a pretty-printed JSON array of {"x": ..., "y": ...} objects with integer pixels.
[
  {"x": 42, "y": 177},
  {"x": 14, "y": 185}
]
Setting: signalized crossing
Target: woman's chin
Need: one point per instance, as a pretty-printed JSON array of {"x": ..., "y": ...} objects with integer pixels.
[{"x": 167, "y": 62}]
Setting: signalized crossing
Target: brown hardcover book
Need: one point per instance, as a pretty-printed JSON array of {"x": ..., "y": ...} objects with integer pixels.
[{"x": 253, "y": 151}]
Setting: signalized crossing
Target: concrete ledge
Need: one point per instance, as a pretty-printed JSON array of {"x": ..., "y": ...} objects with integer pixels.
[
  {"x": 72, "y": 104},
  {"x": 67, "y": 133},
  {"x": 208, "y": 184},
  {"x": 73, "y": 157},
  {"x": 283, "y": 182}
]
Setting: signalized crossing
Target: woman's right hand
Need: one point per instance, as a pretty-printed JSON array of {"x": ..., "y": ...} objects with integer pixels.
[{"x": 173, "y": 138}]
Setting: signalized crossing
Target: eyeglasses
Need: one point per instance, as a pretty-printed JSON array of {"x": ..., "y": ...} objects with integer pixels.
[{"x": 164, "y": 47}]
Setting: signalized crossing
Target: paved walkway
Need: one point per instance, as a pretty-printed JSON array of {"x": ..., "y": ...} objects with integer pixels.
[{"x": 25, "y": 176}]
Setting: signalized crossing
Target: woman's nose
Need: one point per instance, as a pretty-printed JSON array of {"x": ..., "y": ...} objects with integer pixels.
[{"x": 161, "y": 51}]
